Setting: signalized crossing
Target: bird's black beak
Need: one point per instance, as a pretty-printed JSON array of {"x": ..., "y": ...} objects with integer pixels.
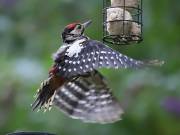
[{"x": 86, "y": 24}]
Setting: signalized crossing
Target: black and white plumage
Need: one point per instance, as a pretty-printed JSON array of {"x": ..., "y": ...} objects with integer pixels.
[
  {"x": 79, "y": 55},
  {"x": 75, "y": 86},
  {"x": 89, "y": 99},
  {"x": 85, "y": 55}
]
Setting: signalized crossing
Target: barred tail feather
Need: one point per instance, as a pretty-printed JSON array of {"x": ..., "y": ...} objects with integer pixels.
[
  {"x": 43, "y": 96},
  {"x": 81, "y": 100},
  {"x": 46, "y": 92}
]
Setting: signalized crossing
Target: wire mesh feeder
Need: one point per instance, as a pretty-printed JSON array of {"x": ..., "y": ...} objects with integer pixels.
[{"x": 122, "y": 21}]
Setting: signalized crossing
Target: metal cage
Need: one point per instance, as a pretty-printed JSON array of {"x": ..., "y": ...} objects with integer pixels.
[{"x": 126, "y": 30}]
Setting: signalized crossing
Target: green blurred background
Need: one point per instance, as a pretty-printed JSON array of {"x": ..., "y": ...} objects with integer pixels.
[{"x": 30, "y": 33}]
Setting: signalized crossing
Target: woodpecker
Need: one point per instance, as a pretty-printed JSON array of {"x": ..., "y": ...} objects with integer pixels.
[{"x": 75, "y": 86}]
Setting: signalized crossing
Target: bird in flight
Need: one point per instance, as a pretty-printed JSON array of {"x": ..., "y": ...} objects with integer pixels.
[{"x": 76, "y": 86}]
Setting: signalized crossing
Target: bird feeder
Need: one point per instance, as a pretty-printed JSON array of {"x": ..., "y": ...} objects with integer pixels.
[{"x": 122, "y": 21}]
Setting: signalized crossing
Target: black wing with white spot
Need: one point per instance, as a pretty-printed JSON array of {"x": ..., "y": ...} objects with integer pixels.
[
  {"x": 92, "y": 55},
  {"x": 89, "y": 100}
]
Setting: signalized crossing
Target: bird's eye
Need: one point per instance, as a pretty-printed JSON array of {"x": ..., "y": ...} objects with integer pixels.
[{"x": 79, "y": 27}]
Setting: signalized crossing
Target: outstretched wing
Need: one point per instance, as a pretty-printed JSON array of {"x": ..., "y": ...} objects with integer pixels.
[
  {"x": 93, "y": 55},
  {"x": 88, "y": 99}
]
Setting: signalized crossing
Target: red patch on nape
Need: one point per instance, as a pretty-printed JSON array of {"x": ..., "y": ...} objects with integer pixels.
[{"x": 71, "y": 26}]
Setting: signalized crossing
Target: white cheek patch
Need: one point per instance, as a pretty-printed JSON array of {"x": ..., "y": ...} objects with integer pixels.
[
  {"x": 76, "y": 32},
  {"x": 75, "y": 48}
]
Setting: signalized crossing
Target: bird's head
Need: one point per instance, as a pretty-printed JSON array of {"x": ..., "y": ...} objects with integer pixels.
[{"x": 74, "y": 30}]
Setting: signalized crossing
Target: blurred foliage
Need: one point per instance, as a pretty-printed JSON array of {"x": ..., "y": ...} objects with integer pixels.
[{"x": 30, "y": 33}]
